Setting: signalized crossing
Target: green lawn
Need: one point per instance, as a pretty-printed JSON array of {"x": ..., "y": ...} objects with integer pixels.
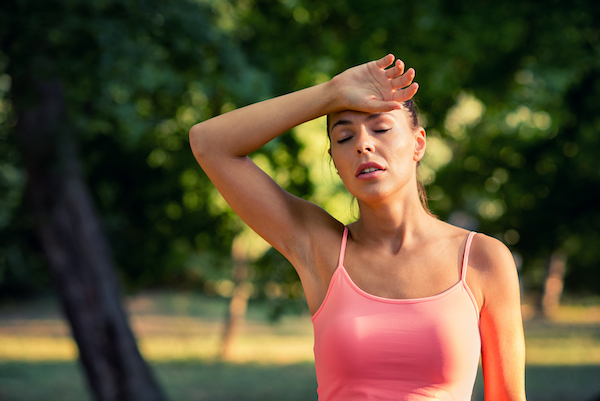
[
  {"x": 187, "y": 381},
  {"x": 179, "y": 335}
]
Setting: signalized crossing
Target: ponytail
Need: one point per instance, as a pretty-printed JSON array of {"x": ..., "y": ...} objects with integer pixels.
[{"x": 423, "y": 194}]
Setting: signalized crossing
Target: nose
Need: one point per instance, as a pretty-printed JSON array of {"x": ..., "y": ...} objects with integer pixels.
[{"x": 364, "y": 144}]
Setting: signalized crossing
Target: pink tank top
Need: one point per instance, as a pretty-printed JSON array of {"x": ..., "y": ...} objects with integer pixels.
[{"x": 373, "y": 348}]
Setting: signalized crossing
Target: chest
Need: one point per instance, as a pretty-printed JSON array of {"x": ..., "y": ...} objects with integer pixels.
[{"x": 402, "y": 275}]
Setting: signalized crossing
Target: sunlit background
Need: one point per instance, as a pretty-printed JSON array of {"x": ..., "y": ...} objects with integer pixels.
[{"x": 96, "y": 100}]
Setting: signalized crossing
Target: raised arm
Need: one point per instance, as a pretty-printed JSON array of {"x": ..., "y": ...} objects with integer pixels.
[
  {"x": 221, "y": 146},
  {"x": 368, "y": 87}
]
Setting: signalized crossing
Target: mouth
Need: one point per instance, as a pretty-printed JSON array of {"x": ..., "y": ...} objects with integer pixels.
[{"x": 368, "y": 168}]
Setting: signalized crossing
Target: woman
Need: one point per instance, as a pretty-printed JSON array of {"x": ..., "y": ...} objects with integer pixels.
[{"x": 403, "y": 304}]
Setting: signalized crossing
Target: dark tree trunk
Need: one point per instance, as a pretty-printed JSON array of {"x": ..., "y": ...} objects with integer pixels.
[{"x": 76, "y": 249}]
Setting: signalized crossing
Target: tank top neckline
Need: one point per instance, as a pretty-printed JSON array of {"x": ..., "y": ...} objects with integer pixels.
[
  {"x": 341, "y": 270},
  {"x": 463, "y": 272}
]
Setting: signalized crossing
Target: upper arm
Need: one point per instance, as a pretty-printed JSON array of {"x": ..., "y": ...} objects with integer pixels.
[
  {"x": 282, "y": 219},
  {"x": 501, "y": 325}
]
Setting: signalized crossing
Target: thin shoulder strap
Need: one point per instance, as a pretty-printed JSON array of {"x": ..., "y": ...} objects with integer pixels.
[
  {"x": 343, "y": 247},
  {"x": 465, "y": 262}
]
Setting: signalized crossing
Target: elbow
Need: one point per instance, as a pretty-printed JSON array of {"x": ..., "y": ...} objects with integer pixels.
[
  {"x": 198, "y": 142},
  {"x": 208, "y": 145}
]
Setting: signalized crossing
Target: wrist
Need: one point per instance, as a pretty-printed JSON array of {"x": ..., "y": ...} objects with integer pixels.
[{"x": 333, "y": 96}]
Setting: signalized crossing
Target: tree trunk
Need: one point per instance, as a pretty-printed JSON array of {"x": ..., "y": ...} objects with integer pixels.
[
  {"x": 246, "y": 248},
  {"x": 553, "y": 285},
  {"x": 237, "y": 306},
  {"x": 77, "y": 251}
]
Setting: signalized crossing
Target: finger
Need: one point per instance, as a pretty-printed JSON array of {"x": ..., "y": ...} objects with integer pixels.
[
  {"x": 385, "y": 61},
  {"x": 404, "y": 80},
  {"x": 407, "y": 93},
  {"x": 395, "y": 71},
  {"x": 377, "y": 106}
]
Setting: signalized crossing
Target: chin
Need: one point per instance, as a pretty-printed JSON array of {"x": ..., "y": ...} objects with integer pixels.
[{"x": 372, "y": 196}]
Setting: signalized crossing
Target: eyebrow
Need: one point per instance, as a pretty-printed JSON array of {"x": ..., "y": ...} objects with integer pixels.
[{"x": 348, "y": 122}]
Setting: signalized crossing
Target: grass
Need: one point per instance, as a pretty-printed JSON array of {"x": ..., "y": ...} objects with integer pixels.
[
  {"x": 179, "y": 335},
  {"x": 192, "y": 380}
]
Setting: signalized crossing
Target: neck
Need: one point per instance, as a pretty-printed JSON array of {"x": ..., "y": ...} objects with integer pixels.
[{"x": 392, "y": 224}]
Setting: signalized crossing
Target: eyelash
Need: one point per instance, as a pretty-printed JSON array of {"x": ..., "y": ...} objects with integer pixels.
[{"x": 379, "y": 131}]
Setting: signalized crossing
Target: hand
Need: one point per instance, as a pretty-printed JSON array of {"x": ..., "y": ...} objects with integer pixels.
[{"x": 371, "y": 88}]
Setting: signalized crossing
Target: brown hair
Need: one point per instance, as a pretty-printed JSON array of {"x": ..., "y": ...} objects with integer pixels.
[{"x": 414, "y": 121}]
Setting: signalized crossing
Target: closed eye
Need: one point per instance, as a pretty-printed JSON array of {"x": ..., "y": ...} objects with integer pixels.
[
  {"x": 381, "y": 131},
  {"x": 344, "y": 139}
]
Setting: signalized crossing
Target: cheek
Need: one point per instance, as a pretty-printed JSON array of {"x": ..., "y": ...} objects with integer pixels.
[
  {"x": 399, "y": 149},
  {"x": 337, "y": 156},
  {"x": 342, "y": 164},
  {"x": 402, "y": 157}
]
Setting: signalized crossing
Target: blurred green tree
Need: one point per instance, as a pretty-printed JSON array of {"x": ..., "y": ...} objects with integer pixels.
[{"x": 101, "y": 95}]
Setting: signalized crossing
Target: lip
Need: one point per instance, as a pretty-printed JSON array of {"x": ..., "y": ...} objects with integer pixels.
[{"x": 363, "y": 166}]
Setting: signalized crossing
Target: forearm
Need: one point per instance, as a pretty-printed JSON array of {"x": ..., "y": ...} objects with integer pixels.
[{"x": 242, "y": 131}]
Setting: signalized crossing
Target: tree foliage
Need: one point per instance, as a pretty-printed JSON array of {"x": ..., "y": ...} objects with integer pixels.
[
  {"x": 137, "y": 76},
  {"x": 508, "y": 94}
]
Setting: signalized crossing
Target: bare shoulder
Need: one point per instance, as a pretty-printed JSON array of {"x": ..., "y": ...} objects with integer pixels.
[
  {"x": 490, "y": 256},
  {"x": 492, "y": 271}
]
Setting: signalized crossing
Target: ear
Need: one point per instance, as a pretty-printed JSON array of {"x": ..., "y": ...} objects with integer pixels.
[
  {"x": 329, "y": 151},
  {"x": 420, "y": 144},
  {"x": 336, "y": 170}
]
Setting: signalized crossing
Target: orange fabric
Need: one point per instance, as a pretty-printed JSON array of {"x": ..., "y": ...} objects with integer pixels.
[{"x": 374, "y": 348}]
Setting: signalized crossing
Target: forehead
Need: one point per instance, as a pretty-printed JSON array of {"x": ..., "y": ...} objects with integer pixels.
[{"x": 347, "y": 117}]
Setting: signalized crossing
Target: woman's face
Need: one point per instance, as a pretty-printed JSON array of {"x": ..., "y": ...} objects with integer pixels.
[{"x": 376, "y": 154}]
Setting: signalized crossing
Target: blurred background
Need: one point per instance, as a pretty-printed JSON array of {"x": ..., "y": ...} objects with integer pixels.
[{"x": 125, "y": 276}]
